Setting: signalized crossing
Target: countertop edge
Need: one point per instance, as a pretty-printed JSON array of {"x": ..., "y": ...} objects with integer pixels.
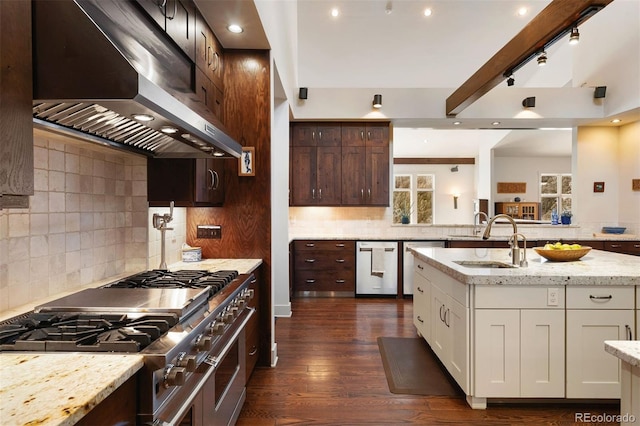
[{"x": 626, "y": 350}]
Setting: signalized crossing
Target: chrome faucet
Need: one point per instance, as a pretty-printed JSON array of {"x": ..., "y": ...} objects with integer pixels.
[
  {"x": 513, "y": 240},
  {"x": 160, "y": 222},
  {"x": 476, "y": 229}
]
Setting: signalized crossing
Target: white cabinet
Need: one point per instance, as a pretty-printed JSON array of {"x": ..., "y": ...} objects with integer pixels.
[
  {"x": 450, "y": 325},
  {"x": 519, "y": 342},
  {"x": 596, "y": 314},
  {"x": 421, "y": 301}
]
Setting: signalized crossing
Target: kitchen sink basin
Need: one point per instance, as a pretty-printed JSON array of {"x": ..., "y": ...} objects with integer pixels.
[
  {"x": 483, "y": 264},
  {"x": 475, "y": 237}
]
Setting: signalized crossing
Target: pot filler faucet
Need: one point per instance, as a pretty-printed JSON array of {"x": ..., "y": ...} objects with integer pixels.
[
  {"x": 513, "y": 240},
  {"x": 160, "y": 223}
]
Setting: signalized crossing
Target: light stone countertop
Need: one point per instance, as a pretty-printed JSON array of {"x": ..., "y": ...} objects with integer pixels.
[
  {"x": 59, "y": 388},
  {"x": 243, "y": 266},
  {"x": 596, "y": 268},
  {"x": 627, "y": 350}
]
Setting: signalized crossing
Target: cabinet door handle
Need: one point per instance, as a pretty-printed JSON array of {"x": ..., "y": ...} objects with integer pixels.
[
  {"x": 441, "y": 313},
  {"x": 320, "y": 193},
  {"x": 320, "y": 135},
  {"x": 592, "y": 297},
  {"x": 362, "y": 194},
  {"x": 175, "y": 10},
  {"x": 254, "y": 350},
  {"x": 340, "y": 281},
  {"x": 212, "y": 180},
  {"x": 616, "y": 245},
  {"x": 369, "y": 135},
  {"x": 209, "y": 56},
  {"x": 339, "y": 245},
  {"x": 309, "y": 260},
  {"x": 313, "y": 193},
  {"x": 420, "y": 290},
  {"x": 446, "y": 317},
  {"x": 310, "y": 281},
  {"x": 419, "y": 318},
  {"x": 310, "y": 245},
  {"x": 369, "y": 190},
  {"x": 629, "y": 332},
  {"x": 420, "y": 267},
  {"x": 340, "y": 260},
  {"x": 215, "y": 63}
]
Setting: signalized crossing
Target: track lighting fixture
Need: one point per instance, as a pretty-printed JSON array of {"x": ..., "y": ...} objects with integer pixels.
[
  {"x": 377, "y": 101},
  {"x": 574, "y": 37},
  {"x": 542, "y": 59},
  {"x": 600, "y": 92},
  {"x": 529, "y": 102},
  {"x": 454, "y": 169},
  {"x": 511, "y": 81}
]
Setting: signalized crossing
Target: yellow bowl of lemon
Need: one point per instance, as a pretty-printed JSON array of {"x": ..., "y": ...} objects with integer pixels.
[{"x": 562, "y": 252}]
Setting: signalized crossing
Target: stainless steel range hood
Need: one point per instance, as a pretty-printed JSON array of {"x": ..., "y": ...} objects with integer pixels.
[{"x": 100, "y": 65}]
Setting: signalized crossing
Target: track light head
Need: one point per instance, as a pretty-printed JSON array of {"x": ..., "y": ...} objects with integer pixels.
[
  {"x": 377, "y": 101},
  {"x": 574, "y": 37},
  {"x": 542, "y": 59},
  {"x": 511, "y": 81},
  {"x": 529, "y": 102},
  {"x": 600, "y": 92},
  {"x": 454, "y": 169}
]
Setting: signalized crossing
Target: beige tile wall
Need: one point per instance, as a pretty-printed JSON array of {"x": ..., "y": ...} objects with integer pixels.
[{"x": 87, "y": 221}]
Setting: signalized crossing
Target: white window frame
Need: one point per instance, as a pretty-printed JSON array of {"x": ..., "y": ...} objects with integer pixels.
[
  {"x": 558, "y": 196},
  {"x": 413, "y": 195}
]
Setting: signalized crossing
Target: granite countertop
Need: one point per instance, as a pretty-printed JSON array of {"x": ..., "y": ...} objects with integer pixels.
[
  {"x": 596, "y": 268},
  {"x": 60, "y": 388},
  {"x": 627, "y": 350},
  {"x": 243, "y": 266}
]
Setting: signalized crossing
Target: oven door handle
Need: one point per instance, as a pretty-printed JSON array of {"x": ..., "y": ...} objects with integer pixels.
[{"x": 189, "y": 402}]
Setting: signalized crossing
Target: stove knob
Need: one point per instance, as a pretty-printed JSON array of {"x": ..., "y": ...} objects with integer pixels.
[
  {"x": 241, "y": 304},
  {"x": 187, "y": 361},
  {"x": 203, "y": 343},
  {"x": 173, "y": 376},
  {"x": 235, "y": 310},
  {"x": 227, "y": 316},
  {"x": 216, "y": 328}
]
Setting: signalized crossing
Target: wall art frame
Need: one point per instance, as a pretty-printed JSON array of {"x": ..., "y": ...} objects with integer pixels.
[{"x": 247, "y": 162}]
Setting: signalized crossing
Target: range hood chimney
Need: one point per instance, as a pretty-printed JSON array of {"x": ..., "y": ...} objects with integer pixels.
[{"x": 101, "y": 66}]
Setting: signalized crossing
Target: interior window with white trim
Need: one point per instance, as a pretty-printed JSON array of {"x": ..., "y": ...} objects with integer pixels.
[
  {"x": 555, "y": 193},
  {"x": 413, "y": 198}
]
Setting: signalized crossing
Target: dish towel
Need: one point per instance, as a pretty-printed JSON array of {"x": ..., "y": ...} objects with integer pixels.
[{"x": 377, "y": 261}]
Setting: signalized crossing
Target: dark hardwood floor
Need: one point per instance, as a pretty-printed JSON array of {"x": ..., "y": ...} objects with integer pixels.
[{"x": 330, "y": 372}]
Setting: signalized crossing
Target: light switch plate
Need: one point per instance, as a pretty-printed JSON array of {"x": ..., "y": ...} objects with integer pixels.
[{"x": 209, "y": 232}]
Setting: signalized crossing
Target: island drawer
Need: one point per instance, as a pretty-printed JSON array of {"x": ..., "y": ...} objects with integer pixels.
[
  {"x": 600, "y": 297},
  {"x": 519, "y": 297}
]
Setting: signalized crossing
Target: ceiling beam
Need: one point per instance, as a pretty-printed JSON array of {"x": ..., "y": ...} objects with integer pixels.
[{"x": 552, "y": 22}]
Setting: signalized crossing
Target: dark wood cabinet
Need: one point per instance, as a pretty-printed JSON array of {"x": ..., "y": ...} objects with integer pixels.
[
  {"x": 187, "y": 182},
  {"x": 177, "y": 18},
  {"x": 339, "y": 164},
  {"x": 519, "y": 210},
  {"x": 119, "y": 408},
  {"x": 324, "y": 268},
  {"x": 209, "y": 67},
  {"x": 365, "y": 164},
  {"x": 16, "y": 119},
  {"x": 315, "y": 156},
  {"x": 623, "y": 246}
]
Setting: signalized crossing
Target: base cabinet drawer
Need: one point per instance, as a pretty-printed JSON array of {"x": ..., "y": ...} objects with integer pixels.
[
  {"x": 324, "y": 268},
  {"x": 252, "y": 346},
  {"x": 600, "y": 297}
]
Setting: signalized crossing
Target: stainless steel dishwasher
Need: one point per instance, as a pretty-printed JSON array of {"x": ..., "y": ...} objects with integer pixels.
[
  {"x": 376, "y": 268},
  {"x": 407, "y": 262}
]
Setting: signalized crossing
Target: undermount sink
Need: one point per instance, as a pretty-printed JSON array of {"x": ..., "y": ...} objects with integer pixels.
[
  {"x": 465, "y": 236},
  {"x": 483, "y": 264}
]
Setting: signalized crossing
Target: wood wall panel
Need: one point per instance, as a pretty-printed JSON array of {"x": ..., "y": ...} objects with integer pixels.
[{"x": 246, "y": 215}]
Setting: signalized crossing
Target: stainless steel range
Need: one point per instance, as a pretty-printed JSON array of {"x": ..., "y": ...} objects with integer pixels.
[{"x": 188, "y": 325}]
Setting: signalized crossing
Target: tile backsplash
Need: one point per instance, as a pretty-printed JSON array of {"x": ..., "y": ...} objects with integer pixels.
[{"x": 87, "y": 221}]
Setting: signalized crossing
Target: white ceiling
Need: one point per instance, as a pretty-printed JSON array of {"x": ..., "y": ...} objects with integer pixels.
[{"x": 381, "y": 43}]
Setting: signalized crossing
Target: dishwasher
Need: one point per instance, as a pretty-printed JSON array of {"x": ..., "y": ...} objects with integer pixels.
[
  {"x": 376, "y": 268},
  {"x": 407, "y": 262}
]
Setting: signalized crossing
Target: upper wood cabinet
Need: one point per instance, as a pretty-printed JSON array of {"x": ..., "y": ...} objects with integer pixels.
[
  {"x": 365, "y": 164},
  {"x": 209, "y": 67},
  {"x": 339, "y": 164},
  {"x": 187, "y": 182},
  {"x": 16, "y": 120},
  {"x": 315, "y": 152},
  {"x": 178, "y": 19}
]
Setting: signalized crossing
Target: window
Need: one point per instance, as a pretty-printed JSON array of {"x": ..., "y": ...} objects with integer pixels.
[
  {"x": 413, "y": 198},
  {"x": 555, "y": 193}
]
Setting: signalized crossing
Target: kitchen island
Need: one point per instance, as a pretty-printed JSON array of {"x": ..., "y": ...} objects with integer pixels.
[{"x": 531, "y": 332}]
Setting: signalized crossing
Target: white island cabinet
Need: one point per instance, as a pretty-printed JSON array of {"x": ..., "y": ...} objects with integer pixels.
[
  {"x": 629, "y": 354},
  {"x": 502, "y": 332}
]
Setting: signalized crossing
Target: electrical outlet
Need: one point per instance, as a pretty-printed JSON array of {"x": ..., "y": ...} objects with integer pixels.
[
  {"x": 552, "y": 297},
  {"x": 209, "y": 232}
]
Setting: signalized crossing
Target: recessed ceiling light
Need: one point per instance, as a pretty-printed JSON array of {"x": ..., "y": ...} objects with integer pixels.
[
  {"x": 218, "y": 154},
  {"x": 428, "y": 12},
  {"x": 457, "y": 123},
  {"x": 142, "y": 117},
  {"x": 522, "y": 11},
  {"x": 616, "y": 120},
  {"x": 495, "y": 123},
  {"x": 335, "y": 12},
  {"x": 235, "y": 28}
]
